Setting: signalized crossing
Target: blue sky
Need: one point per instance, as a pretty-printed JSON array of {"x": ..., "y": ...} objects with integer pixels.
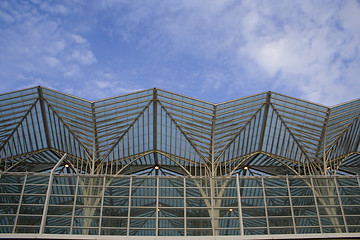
[{"x": 214, "y": 50}]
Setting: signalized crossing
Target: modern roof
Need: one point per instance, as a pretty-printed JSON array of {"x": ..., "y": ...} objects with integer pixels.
[{"x": 263, "y": 134}]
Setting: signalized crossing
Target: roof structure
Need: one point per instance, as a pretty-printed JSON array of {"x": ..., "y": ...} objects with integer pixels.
[
  {"x": 267, "y": 134},
  {"x": 158, "y": 164}
]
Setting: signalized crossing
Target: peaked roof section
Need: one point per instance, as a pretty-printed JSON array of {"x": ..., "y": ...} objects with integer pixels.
[{"x": 155, "y": 127}]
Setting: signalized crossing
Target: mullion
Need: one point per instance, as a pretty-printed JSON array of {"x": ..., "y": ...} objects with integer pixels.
[
  {"x": 136, "y": 97},
  {"x": 298, "y": 105},
  {"x": 39, "y": 128},
  {"x": 182, "y": 108},
  {"x": 138, "y": 104}
]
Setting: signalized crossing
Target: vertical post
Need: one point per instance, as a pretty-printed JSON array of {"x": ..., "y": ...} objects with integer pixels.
[
  {"x": 43, "y": 116},
  {"x": 265, "y": 205},
  {"x": 212, "y": 176},
  {"x": 212, "y": 150},
  {"x": 323, "y": 144},
  {"x": 102, "y": 204},
  {"x": 47, "y": 198},
  {"x": 19, "y": 206},
  {"x": 316, "y": 204},
  {"x": 212, "y": 202},
  {"x": 155, "y": 100},
  {"x": 241, "y": 223},
  {"x": 291, "y": 205},
  {"x": 157, "y": 207},
  {"x": 263, "y": 126},
  {"x": 185, "y": 231},
  {"x": 74, "y": 204},
  {"x": 129, "y": 208},
  {"x": 340, "y": 203},
  {"x": 95, "y": 143}
]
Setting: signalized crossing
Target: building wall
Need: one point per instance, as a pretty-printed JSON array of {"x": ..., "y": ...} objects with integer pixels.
[{"x": 178, "y": 206}]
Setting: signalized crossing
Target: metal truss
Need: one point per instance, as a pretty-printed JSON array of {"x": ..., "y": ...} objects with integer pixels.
[
  {"x": 214, "y": 168},
  {"x": 156, "y": 132}
]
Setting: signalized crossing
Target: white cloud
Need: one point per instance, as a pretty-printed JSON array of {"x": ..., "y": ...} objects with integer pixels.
[
  {"x": 79, "y": 39},
  {"x": 308, "y": 55},
  {"x": 38, "y": 45},
  {"x": 350, "y": 15},
  {"x": 72, "y": 70},
  {"x": 57, "y": 9},
  {"x": 104, "y": 84},
  {"x": 6, "y": 17},
  {"x": 308, "y": 49},
  {"x": 55, "y": 47},
  {"x": 301, "y": 48},
  {"x": 85, "y": 57},
  {"x": 52, "y": 62},
  {"x": 28, "y": 82}
]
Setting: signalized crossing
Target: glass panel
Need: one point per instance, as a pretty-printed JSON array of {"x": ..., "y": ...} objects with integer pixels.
[
  {"x": 198, "y": 223},
  {"x": 254, "y": 222},
  {"x": 115, "y": 223},
  {"x": 114, "y": 231},
  {"x": 170, "y": 232},
  {"x": 205, "y": 209},
  {"x": 171, "y": 223}
]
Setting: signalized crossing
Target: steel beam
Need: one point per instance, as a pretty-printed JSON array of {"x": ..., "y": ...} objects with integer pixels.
[
  {"x": 263, "y": 126},
  {"x": 44, "y": 118},
  {"x": 47, "y": 198}
]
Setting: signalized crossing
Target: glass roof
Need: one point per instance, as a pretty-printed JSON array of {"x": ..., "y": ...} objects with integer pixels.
[{"x": 156, "y": 132}]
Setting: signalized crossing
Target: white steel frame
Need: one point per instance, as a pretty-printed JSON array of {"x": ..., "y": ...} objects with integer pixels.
[
  {"x": 157, "y": 133},
  {"x": 269, "y": 133},
  {"x": 179, "y": 206}
]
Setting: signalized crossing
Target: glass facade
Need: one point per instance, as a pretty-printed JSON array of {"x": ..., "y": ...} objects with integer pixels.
[
  {"x": 178, "y": 206},
  {"x": 156, "y": 163}
]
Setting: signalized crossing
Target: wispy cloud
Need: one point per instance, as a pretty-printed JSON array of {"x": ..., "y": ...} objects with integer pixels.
[
  {"x": 103, "y": 84},
  {"x": 216, "y": 51},
  {"x": 308, "y": 49},
  {"x": 313, "y": 55},
  {"x": 39, "y": 46}
]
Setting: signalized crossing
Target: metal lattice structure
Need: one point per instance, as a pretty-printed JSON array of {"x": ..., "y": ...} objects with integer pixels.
[
  {"x": 270, "y": 133},
  {"x": 214, "y": 157}
]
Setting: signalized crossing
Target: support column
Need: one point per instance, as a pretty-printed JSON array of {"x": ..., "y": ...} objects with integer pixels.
[
  {"x": 157, "y": 208},
  {"x": 323, "y": 144},
  {"x": 129, "y": 208},
  {"x": 95, "y": 154},
  {"x": 241, "y": 223},
  {"x": 44, "y": 118},
  {"x": 291, "y": 205},
  {"x": 212, "y": 150},
  {"x": 214, "y": 223},
  {"x": 47, "y": 198},
  {"x": 19, "y": 206},
  {"x": 185, "y": 222},
  {"x": 155, "y": 100},
  {"x": 102, "y": 204},
  {"x": 341, "y": 205},
  {"x": 263, "y": 126},
  {"x": 265, "y": 205},
  {"x": 74, "y": 204},
  {"x": 316, "y": 204}
]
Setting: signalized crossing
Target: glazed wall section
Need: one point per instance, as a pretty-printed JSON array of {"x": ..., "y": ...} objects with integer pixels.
[{"x": 178, "y": 206}]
